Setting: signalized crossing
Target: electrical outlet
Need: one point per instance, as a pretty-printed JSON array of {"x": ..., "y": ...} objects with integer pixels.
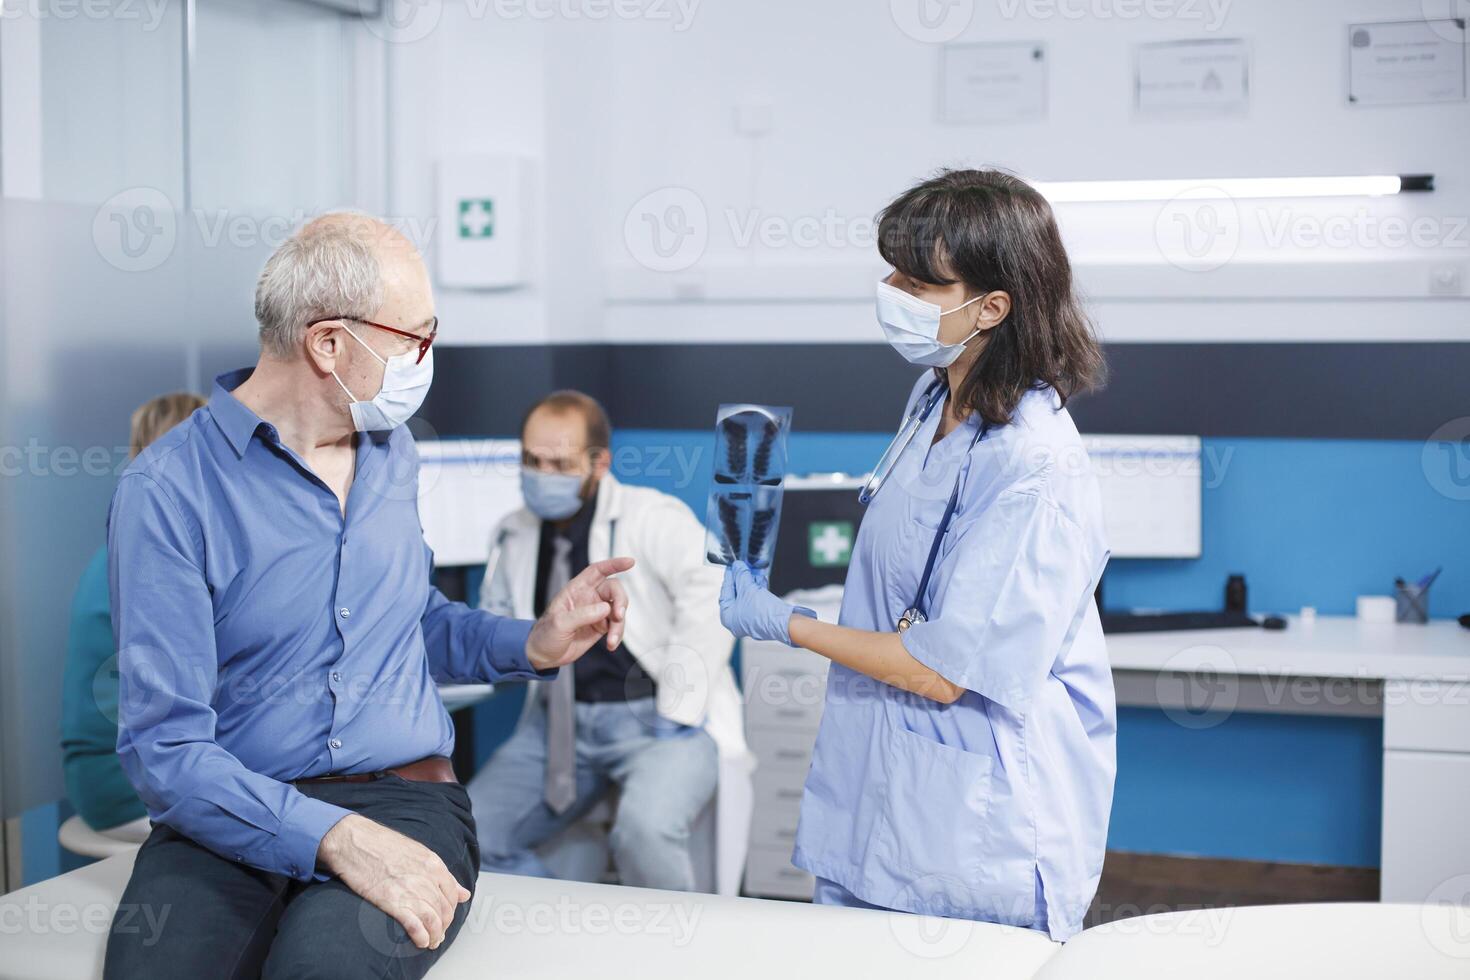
[
  {"x": 753, "y": 118},
  {"x": 1447, "y": 280}
]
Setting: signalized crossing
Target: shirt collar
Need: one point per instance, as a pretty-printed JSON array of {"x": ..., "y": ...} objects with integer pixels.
[{"x": 237, "y": 422}]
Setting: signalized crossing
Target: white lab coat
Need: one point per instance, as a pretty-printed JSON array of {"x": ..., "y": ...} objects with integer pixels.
[{"x": 673, "y": 628}]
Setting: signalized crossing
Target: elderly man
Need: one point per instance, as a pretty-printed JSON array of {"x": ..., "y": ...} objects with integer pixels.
[{"x": 279, "y": 641}]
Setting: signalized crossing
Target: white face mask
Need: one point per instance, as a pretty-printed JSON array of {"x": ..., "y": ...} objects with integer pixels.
[
  {"x": 912, "y": 327},
  {"x": 405, "y": 383}
]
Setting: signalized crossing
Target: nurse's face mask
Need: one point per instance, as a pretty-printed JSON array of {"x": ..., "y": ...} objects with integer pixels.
[
  {"x": 911, "y": 325},
  {"x": 406, "y": 380}
]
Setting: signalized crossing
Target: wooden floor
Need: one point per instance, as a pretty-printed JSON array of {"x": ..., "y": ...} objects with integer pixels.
[{"x": 1142, "y": 884}]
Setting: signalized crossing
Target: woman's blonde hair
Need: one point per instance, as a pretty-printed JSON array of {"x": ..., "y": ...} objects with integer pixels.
[{"x": 155, "y": 417}]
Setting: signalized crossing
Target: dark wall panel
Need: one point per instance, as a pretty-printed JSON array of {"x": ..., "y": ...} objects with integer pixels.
[{"x": 1322, "y": 391}]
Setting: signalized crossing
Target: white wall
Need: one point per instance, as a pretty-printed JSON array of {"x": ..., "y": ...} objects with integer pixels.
[
  {"x": 113, "y": 291},
  {"x": 615, "y": 109}
]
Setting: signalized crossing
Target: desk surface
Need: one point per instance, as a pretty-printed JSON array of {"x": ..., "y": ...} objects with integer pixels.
[
  {"x": 456, "y": 696},
  {"x": 1332, "y": 646}
]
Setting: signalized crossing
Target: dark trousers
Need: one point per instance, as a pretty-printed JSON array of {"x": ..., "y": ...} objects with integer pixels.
[{"x": 189, "y": 913}]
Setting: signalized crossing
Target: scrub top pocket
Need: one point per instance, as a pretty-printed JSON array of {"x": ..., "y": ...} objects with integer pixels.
[
  {"x": 931, "y": 826},
  {"x": 948, "y": 838}
]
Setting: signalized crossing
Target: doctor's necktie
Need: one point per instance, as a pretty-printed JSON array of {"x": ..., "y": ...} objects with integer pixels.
[{"x": 561, "y": 724}]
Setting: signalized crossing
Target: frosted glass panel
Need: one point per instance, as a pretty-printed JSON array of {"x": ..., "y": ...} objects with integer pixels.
[
  {"x": 87, "y": 337},
  {"x": 112, "y": 104},
  {"x": 110, "y": 294},
  {"x": 270, "y": 115}
]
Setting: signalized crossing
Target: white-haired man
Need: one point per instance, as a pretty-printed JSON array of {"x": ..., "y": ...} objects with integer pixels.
[{"x": 279, "y": 641}]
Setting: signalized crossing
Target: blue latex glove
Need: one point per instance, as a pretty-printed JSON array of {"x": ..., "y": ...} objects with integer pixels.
[{"x": 748, "y": 609}]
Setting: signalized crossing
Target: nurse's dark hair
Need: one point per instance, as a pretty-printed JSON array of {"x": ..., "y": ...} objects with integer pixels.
[{"x": 993, "y": 231}]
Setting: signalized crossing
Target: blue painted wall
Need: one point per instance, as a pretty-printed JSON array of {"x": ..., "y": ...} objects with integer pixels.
[
  {"x": 1309, "y": 522},
  {"x": 1257, "y": 787}
]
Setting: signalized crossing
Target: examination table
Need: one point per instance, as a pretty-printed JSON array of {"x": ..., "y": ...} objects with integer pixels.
[{"x": 540, "y": 929}]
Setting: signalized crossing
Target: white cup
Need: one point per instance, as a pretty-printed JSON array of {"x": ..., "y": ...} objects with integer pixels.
[{"x": 1376, "y": 609}]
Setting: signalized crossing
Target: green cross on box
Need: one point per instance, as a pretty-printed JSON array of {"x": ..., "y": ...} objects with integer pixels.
[
  {"x": 829, "y": 543},
  {"x": 476, "y": 218}
]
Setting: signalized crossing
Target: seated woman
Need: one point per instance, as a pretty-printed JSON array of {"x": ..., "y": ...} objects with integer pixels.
[{"x": 95, "y": 782}]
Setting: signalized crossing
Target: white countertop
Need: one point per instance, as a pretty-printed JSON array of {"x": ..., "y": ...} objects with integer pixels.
[
  {"x": 1332, "y": 646},
  {"x": 457, "y": 696}
]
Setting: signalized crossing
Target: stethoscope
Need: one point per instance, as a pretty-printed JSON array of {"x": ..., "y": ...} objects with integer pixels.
[{"x": 917, "y": 612}]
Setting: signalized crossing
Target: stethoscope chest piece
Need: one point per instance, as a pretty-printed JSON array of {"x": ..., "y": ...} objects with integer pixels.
[{"x": 911, "y": 616}]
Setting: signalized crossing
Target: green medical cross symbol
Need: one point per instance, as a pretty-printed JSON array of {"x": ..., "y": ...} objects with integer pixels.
[
  {"x": 829, "y": 543},
  {"x": 476, "y": 218}
]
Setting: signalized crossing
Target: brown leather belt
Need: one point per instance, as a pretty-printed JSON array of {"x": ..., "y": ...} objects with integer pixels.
[{"x": 432, "y": 769}]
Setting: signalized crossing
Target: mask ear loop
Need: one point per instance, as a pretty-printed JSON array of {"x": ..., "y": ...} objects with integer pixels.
[
  {"x": 968, "y": 302},
  {"x": 978, "y": 330},
  {"x": 353, "y": 399}
]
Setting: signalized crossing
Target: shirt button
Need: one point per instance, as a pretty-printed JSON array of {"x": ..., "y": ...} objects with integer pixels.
[
  {"x": 344, "y": 612},
  {"x": 337, "y": 676},
  {"x": 335, "y": 743}
]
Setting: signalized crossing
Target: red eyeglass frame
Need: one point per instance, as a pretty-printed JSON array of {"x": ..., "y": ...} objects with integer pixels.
[{"x": 424, "y": 342}]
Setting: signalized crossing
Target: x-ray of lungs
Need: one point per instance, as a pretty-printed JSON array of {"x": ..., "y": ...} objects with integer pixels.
[{"x": 745, "y": 494}]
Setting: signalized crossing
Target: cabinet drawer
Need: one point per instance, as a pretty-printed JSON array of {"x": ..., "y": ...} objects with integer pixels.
[
  {"x": 765, "y": 656},
  {"x": 770, "y": 873},
  {"x": 777, "y": 812},
  {"x": 782, "y": 689},
  {"x": 786, "y": 749},
  {"x": 1426, "y": 717},
  {"x": 775, "y": 789},
  {"x": 1425, "y": 848}
]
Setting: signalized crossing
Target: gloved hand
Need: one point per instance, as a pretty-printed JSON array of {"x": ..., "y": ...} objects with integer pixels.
[{"x": 748, "y": 609}]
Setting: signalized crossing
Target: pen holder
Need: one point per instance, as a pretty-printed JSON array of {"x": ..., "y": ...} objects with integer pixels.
[{"x": 1412, "y": 604}]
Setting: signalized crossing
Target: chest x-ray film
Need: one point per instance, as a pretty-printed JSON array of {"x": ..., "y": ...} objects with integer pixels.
[{"x": 745, "y": 494}]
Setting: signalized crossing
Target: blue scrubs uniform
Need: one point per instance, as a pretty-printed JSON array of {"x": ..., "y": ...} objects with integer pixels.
[{"x": 994, "y": 808}]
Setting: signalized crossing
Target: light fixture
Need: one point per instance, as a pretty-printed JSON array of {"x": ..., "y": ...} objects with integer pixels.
[{"x": 1204, "y": 188}]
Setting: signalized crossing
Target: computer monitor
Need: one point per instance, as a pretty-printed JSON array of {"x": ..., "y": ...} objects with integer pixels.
[
  {"x": 820, "y": 515},
  {"x": 1151, "y": 489},
  {"x": 1151, "y": 493}
]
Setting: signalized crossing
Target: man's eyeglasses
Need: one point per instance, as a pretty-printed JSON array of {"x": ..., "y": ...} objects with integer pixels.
[{"x": 424, "y": 342}]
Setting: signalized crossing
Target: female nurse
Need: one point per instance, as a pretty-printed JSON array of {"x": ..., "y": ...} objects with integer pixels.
[{"x": 964, "y": 765}]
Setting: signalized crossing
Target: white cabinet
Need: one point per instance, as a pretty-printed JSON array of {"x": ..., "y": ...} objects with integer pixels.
[
  {"x": 784, "y": 691},
  {"x": 1426, "y": 846},
  {"x": 1426, "y": 793}
]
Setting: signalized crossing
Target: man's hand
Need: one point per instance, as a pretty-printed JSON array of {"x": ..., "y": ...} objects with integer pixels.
[
  {"x": 397, "y": 874},
  {"x": 592, "y": 605}
]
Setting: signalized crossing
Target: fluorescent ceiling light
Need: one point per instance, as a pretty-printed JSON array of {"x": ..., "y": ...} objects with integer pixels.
[{"x": 1204, "y": 188}]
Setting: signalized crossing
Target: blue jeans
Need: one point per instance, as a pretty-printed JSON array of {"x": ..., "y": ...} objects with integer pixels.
[{"x": 666, "y": 775}]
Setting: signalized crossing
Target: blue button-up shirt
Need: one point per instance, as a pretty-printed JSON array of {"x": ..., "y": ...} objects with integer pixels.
[{"x": 263, "y": 636}]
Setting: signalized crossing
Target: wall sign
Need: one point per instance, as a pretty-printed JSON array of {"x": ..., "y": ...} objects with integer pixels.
[
  {"x": 989, "y": 83},
  {"x": 1192, "y": 77},
  {"x": 1411, "y": 61}
]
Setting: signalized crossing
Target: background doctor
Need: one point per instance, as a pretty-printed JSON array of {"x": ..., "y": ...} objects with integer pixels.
[{"x": 654, "y": 716}]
